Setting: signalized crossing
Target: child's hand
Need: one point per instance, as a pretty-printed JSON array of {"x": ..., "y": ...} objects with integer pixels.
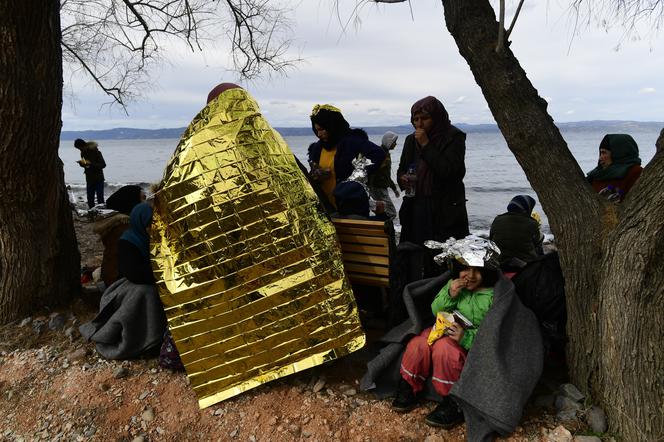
[
  {"x": 455, "y": 331},
  {"x": 456, "y": 286}
]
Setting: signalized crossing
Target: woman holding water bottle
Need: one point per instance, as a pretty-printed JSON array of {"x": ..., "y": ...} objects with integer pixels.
[{"x": 430, "y": 173}]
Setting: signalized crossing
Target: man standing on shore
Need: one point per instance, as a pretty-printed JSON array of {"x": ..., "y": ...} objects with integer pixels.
[{"x": 93, "y": 162}]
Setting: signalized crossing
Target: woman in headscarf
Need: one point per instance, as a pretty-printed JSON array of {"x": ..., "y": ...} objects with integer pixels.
[
  {"x": 131, "y": 320},
  {"x": 618, "y": 167},
  {"x": 432, "y": 168},
  {"x": 381, "y": 180},
  {"x": 331, "y": 157}
]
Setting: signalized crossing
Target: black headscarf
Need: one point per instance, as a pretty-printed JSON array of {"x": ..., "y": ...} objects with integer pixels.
[
  {"x": 329, "y": 118},
  {"x": 624, "y": 155},
  {"x": 124, "y": 199}
]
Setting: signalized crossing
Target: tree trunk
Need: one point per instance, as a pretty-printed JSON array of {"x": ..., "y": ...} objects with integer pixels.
[
  {"x": 39, "y": 258},
  {"x": 611, "y": 255}
]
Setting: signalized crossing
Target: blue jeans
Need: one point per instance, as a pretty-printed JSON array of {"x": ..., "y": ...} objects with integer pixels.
[{"x": 95, "y": 188}]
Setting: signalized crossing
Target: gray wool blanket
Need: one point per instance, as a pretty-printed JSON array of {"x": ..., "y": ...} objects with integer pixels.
[
  {"x": 130, "y": 321},
  {"x": 501, "y": 370}
]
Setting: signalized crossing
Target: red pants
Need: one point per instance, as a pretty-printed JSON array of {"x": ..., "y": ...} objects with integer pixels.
[{"x": 446, "y": 356}]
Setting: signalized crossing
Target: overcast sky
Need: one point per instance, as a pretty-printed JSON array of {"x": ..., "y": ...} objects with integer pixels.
[{"x": 376, "y": 71}]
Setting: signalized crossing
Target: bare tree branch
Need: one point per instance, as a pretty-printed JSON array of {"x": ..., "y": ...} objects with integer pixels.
[{"x": 116, "y": 42}]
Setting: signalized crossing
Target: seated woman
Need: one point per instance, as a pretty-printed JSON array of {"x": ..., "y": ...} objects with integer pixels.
[
  {"x": 110, "y": 229},
  {"x": 469, "y": 292},
  {"x": 618, "y": 168},
  {"x": 517, "y": 234},
  {"x": 331, "y": 157},
  {"x": 131, "y": 320}
]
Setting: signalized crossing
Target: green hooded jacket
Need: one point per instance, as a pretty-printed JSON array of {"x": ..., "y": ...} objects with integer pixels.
[{"x": 473, "y": 305}]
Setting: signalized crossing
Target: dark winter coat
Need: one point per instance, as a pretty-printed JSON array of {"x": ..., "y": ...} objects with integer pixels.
[
  {"x": 517, "y": 235},
  {"x": 355, "y": 142},
  {"x": 445, "y": 210},
  {"x": 94, "y": 173}
]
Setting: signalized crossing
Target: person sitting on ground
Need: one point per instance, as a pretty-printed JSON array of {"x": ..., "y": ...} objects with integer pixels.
[
  {"x": 131, "y": 320},
  {"x": 470, "y": 292},
  {"x": 353, "y": 203},
  {"x": 618, "y": 167},
  {"x": 381, "y": 180},
  {"x": 111, "y": 228},
  {"x": 517, "y": 234},
  {"x": 331, "y": 157}
]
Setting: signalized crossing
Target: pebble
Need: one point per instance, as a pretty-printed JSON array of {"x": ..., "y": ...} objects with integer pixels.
[
  {"x": 148, "y": 415},
  {"x": 306, "y": 434},
  {"x": 120, "y": 373},
  {"x": 90, "y": 432},
  {"x": 596, "y": 419},
  {"x": 143, "y": 395},
  {"x": 57, "y": 321},
  {"x": 218, "y": 411},
  {"x": 434, "y": 438},
  {"x": 559, "y": 434},
  {"x": 318, "y": 386},
  {"x": 565, "y": 403},
  {"x": 349, "y": 392},
  {"x": 160, "y": 430},
  {"x": 587, "y": 439},
  {"x": 273, "y": 421},
  {"x": 233, "y": 433},
  {"x": 77, "y": 354},
  {"x": 25, "y": 322},
  {"x": 139, "y": 438},
  {"x": 252, "y": 438},
  {"x": 86, "y": 366},
  {"x": 572, "y": 392}
]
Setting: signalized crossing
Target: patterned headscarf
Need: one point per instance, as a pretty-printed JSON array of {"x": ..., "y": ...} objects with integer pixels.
[{"x": 441, "y": 120}]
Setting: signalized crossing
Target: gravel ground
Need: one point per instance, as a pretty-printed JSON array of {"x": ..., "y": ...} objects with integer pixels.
[{"x": 53, "y": 386}]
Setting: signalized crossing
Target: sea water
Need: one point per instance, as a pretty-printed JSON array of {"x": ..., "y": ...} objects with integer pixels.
[{"x": 493, "y": 176}]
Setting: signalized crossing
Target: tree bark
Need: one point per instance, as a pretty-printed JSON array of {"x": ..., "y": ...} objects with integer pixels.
[
  {"x": 39, "y": 258},
  {"x": 611, "y": 255}
]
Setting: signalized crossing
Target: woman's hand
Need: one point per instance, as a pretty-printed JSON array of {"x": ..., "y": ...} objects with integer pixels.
[
  {"x": 455, "y": 331},
  {"x": 421, "y": 137},
  {"x": 456, "y": 286}
]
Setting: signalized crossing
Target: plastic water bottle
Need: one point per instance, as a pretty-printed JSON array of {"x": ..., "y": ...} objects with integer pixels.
[{"x": 412, "y": 178}]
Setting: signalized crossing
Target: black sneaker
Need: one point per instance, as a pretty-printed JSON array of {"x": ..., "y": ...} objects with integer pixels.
[
  {"x": 445, "y": 415},
  {"x": 405, "y": 399}
]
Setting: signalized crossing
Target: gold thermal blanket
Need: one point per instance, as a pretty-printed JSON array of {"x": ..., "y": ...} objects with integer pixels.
[{"x": 247, "y": 264}]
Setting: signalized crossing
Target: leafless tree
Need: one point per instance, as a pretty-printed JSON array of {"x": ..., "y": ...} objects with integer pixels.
[{"x": 117, "y": 41}]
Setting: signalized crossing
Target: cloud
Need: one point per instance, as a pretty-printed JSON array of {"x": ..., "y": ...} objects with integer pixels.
[
  {"x": 569, "y": 112},
  {"x": 647, "y": 90},
  {"x": 460, "y": 99},
  {"x": 279, "y": 103}
]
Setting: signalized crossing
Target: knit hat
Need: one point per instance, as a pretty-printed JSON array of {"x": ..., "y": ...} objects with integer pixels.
[
  {"x": 389, "y": 140},
  {"x": 521, "y": 204}
]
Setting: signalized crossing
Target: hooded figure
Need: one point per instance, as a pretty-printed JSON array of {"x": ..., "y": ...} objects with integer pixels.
[
  {"x": 93, "y": 162},
  {"x": 381, "y": 181},
  {"x": 619, "y": 164},
  {"x": 331, "y": 157},
  {"x": 134, "y": 247},
  {"x": 435, "y": 152},
  {"x": 247, "y": 263},
  {"x": 517, "y": 233}
]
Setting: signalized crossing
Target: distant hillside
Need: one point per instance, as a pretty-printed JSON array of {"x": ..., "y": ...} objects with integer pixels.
[{"x": 124, "y": 133}]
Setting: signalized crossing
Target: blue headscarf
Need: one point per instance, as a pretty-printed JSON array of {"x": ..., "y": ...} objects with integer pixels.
[{"x": 137, "y": 234}]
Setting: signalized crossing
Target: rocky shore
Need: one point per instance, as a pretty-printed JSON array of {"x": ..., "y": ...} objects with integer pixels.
[{"x": 53, "y": 386}]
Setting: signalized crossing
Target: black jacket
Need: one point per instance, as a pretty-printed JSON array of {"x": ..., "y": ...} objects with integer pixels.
[
  {"x": 517, "y": 235},
  {"x": 94, "y": 173},
  {"x": 446, "y": 160},
  {"x": 133, "y": 265}
]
